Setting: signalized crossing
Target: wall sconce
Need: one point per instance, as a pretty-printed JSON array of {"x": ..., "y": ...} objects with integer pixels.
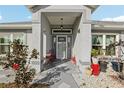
[{"x": 78, "y": 30}]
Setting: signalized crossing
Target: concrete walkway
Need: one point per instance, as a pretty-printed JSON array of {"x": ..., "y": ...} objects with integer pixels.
[{"x": 60, "y": 76}]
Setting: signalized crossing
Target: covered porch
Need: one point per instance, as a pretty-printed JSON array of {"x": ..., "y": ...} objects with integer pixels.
[{"x": 65, "y": 36}]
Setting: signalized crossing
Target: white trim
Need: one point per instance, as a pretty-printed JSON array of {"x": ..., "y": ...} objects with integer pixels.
[
  {"x": 11, "y": 37},
  {"x": 104, "y": 41},
  {"x": 61, "y": 33},
  {"x": 117, "y": 37},
  {"x": 4, "y": 44}
]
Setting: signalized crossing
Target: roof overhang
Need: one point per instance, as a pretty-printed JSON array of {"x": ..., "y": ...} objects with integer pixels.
[
  {"x": 107, "y": 25},
  {"x": 92, "y": 7},
  {"x": 18, "y": 25}
]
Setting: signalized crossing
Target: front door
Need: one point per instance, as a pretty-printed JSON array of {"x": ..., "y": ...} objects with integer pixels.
[{"x": 61, "y": 45}]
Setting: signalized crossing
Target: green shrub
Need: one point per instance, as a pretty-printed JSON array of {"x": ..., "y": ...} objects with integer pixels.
[
  {"x": 94, "y": 52},
  {"x": 17, "y": 59}
]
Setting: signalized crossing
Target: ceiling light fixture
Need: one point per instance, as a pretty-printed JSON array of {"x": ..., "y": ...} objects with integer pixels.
[{"x": 61, "y": 26}]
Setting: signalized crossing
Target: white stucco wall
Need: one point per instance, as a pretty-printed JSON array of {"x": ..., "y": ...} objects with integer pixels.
[
  {"x": 46, "y": 35},
  {"x": 37, "y": 40},
  {"x": 82, "y": 41},
  {"x": 41, "y": 38}
]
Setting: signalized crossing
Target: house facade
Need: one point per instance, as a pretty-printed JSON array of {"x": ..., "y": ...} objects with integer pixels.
[{"x": 66, "y": 30}]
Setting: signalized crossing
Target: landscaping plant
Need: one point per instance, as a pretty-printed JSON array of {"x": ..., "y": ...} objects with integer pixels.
[
  {"x": 94, "y": 52},
  {"x": 19, "y": 60},
  {"x": 120, "y": 45}
]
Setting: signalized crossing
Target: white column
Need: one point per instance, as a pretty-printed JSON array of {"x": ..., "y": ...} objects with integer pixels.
[
  {"x": 117, "y": 52},
  {"x": 104, "y": 43},
  {"x": 11, "y": 39}
]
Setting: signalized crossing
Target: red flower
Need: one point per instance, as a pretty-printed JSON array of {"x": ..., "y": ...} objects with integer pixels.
[{"x": 15, "y": 66}]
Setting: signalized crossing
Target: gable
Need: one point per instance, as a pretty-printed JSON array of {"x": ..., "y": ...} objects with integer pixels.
[{"x": 34, "y": 8}]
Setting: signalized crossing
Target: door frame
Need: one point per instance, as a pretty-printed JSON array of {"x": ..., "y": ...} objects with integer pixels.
[{"x": 57, "y": 45}]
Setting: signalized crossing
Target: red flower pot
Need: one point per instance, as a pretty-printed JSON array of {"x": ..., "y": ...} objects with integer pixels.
[
  {"x": 95, "y": 69},
  {"x": 15, "y": 66},
  {"x": 73, "y": 60}
]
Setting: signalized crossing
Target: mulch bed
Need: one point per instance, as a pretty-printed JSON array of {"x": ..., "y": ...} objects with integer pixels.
[{"x": 13, "y": 85}]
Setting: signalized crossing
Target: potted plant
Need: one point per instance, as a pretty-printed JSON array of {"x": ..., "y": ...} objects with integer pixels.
[
  {"x": 117, "y": 66},
  {"x": 94, "y": 54},
  {"x": 103, "y": 65},
  {"x": 94, "y": 62}
]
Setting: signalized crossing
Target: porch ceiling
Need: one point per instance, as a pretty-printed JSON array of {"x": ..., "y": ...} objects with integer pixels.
[
  {"x": 57, "y": 20},
  {"x": 68, "y": 18}
]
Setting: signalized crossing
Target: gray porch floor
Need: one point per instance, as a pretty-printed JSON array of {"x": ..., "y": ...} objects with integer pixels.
[{"x": 60, "y": 76}]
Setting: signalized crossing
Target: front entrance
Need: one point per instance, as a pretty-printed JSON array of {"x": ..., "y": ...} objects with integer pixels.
[
  {"x": 62, "y": 43},
  {"x": 61, "y": 47}
]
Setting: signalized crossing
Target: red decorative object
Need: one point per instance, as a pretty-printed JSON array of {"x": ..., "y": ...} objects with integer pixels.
[
  {"x": 95, "y": 69},
  {"x": 73, "y": 60},
  {"x": 15, "y": 66},
  {"x": 50, "y": 56}
]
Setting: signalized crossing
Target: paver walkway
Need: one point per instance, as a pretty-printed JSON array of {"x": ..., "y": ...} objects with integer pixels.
[{"x": 59, "y": 76}]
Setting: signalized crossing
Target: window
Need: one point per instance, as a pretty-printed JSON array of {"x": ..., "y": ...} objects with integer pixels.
[
  {"x": 4, "y": 43},
  {"x": 19, "y": 36},
  {"x": 98, "y": 43},
  {"x": 109, "y": 40},
  {"x": 6, "y": 38}
]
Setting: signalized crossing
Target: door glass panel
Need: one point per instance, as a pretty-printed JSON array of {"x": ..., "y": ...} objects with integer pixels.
[
  {"x": 69, "y": 43},
  {"x": 61, "y": 39},
  {"x": 62, "y": 50},
  {"x": 61, "y": 47},
  {"x": 54, "y": 40}
]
